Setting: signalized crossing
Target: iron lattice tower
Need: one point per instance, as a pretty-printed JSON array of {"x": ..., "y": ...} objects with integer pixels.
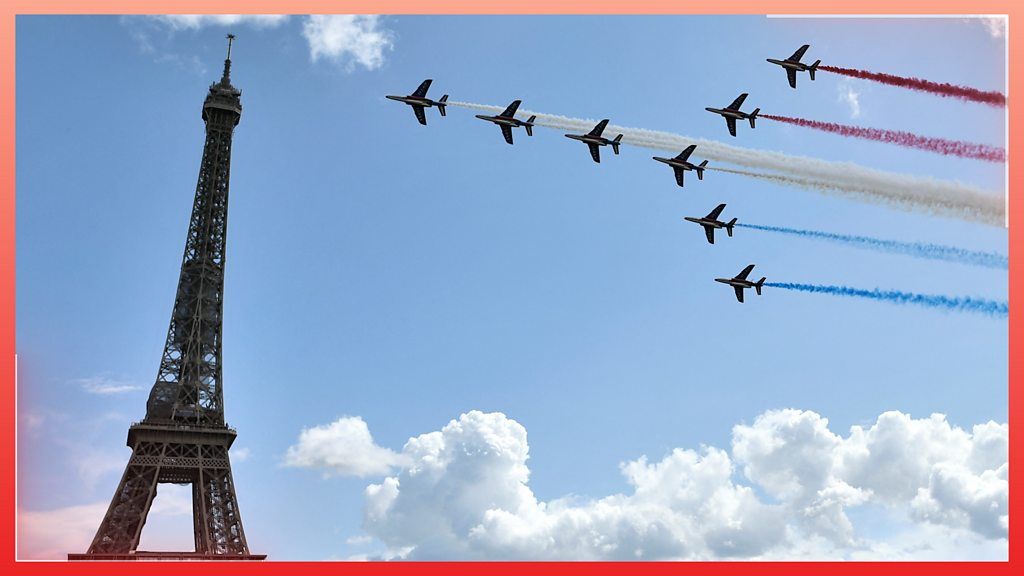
[{"x": 183, "y": 438}]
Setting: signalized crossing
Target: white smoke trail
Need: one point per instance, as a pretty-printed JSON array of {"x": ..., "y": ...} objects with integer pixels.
[{"x": 918, "y": 193}]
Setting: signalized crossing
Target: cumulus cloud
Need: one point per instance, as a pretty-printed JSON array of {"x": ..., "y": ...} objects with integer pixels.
[
  {"x": 463, "y": 492},
  {"x": 349, "y": 39},
  {"x": 344, "y": 448}
]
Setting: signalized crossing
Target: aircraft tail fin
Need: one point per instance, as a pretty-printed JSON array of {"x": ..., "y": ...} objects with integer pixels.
[
  {"x": 700, "y": 170},
  {"x": 813, "y": 68},
  {"x": 759, "y": 284},
  {"x": 441, "y": 105},
  {"x": 529, "y": 125},
  {"x": 728, "y": 227},
  {"x": 616, "y": 142},
  {"x": 753, "y": 116}
]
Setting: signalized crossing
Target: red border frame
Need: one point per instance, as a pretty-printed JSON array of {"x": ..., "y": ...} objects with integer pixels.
[{"x": 10, "y": 9}]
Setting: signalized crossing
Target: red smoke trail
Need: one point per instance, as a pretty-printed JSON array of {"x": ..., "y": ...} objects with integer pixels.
[
  {"x": 908, "y": 139},
  {"x": 942, "y": 89}
]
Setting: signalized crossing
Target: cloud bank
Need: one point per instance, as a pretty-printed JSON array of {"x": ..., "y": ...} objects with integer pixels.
[{"x": 782, "y": 490}]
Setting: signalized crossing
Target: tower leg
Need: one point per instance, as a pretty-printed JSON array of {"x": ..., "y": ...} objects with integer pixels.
[{"x": 122, "y": 526}]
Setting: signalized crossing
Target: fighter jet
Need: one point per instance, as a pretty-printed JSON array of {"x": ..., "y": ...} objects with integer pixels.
[
  {"x": 680, "y": 164},
  {"x": 740, "y": 282},
  {"x": 594, "y": 139},
  {"x": 507, "y": 121},
  {"x": 418, "y": 100},
  {"x": 711, "y": 222},
  {"x": 793, "y": 65},
  {"x": 732, "y": 113}
]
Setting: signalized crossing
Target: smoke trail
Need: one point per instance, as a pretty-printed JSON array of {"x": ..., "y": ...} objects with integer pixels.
[
  {"x": 922, "y": 194},
  {"x": 900, "y": 138},
  {"x": 952, "y": 304},
  {"x": 915, "y": 249},
  {"x": 942, "y": 89}
]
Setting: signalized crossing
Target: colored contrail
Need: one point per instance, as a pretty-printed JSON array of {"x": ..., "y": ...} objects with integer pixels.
[
  {"x": 915, "y": 249},
  {"x": 919, "y": 193},
  {"x": 901, "y": 138},
  {"x": 952, "y": 304},
  {"x": 991, "y": 98}
]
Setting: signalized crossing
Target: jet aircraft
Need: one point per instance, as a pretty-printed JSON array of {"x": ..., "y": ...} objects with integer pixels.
[
  {"x": 792, "y": 65},
  {"x": 680, "y": 164},
  {"x": 732, "y": 113},
  {"x": 419, "y": 101},
  {"x": 507, "y": 121},
  {"x": 740, "y": 282},
  {"x": 594, "y": 140},
  {"x": 711, "y": 222}
]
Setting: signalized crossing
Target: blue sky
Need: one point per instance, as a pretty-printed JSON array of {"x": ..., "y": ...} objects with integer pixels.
[{"x": 408, "y": 274}]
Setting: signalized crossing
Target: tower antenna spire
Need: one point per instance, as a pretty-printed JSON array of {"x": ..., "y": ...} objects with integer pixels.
[{"x": 226, "y": 78}]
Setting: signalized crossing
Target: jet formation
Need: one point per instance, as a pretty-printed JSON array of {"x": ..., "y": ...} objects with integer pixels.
[{"x": 680, "y": 164}]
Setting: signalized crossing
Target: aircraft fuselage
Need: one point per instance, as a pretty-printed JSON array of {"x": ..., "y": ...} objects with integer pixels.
[
  {"x": 505, "y": 120},
  {"x": 799, "y": 66},
  {"x": 705, "y": 222},
  {"x": 737, "y": 282},
  {"x": 599, "y": 140},
  {"x": 729, "y": 113},
  {"x": 413, "y": 100},
  {"x": 683, "y": 165}
]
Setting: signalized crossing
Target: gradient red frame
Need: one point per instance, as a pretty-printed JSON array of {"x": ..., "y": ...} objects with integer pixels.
[{"x": 11, "y": 8}]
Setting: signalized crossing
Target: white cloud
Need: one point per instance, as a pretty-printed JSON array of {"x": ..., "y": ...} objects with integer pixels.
[
  {"x": 240, "y": 454},
  {"x": 349, "y": 39},
  {"x": 463, "y": 493},
  {"x": 105, "y": 386},
  {"x": 343, "y": 447},
  {"x": 197, "y": 21},
  {"x": 994, "y": 25},
  {"x": 850, "y": 97}
]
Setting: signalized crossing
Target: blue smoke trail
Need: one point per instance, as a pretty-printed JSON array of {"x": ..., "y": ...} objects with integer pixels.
[
  {"x": 916, "y": 249},
  {"x": 954, "y": 304}
]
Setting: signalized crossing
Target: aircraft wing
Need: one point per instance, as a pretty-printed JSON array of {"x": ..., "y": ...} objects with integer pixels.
[
  {"x": 422, "y": 90},
  {"x": 792, "y": 77},
  {"x": 731, "y": 122},
  {"x": 506, "y": 131},
  {"x": 714, "y": 213},
  {"x": 799, "y": 53},
  {"x": 743, "y": 275},
  {"x": 685, "y": 154},
  {"x": 679, "y": 175},
  {"x": 420, "y": 114},
  {"x": 595, "y": 152},
  {"x": 599, "y": 128},
  {"x": 511, "y": 110},
  {"x": 739, "y": 293},
  {"x": 710, "y": 232},
  {"x": 737, "y": 102}
]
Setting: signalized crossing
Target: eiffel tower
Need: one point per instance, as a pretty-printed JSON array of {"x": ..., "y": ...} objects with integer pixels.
[{"x": 183, "y": 438}]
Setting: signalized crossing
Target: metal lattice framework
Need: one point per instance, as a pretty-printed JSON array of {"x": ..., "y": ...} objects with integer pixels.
[{"x": 184, "y": 439}]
